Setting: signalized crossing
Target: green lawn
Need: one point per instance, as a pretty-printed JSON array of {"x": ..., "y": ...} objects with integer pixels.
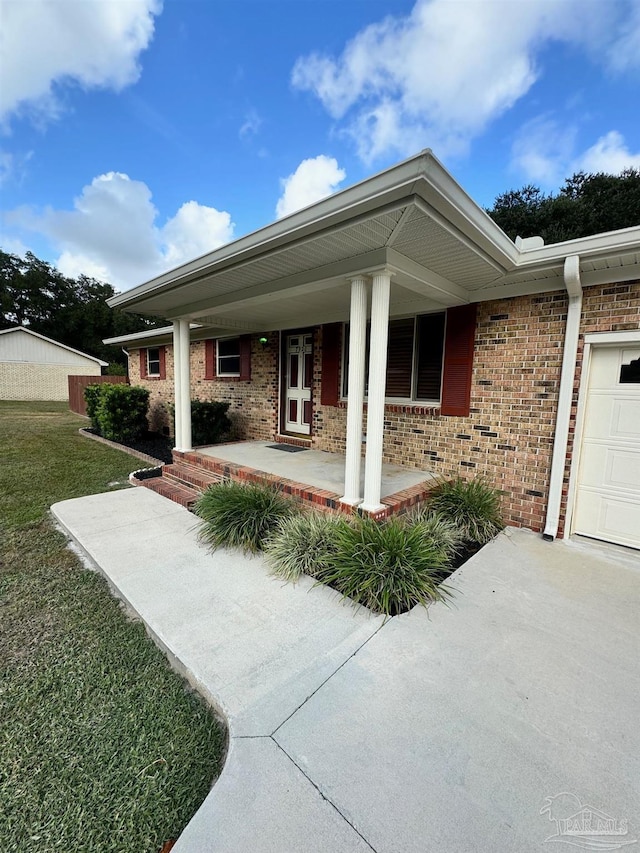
[{"x": 101, "y": 746}]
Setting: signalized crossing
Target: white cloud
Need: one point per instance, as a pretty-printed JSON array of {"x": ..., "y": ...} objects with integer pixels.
[
  {"x": 314, "y": 179},
  {"x": 13, "y": 167},
  {"x": 610, "y": 154},
  {"x": 193, "y": 231},
  {"x": 545, "y": 152},
  {"x": 438, "y": 76},
  {"x": 50, "y": 43},
  {"x": 624, "y": 52},
  {"x": 251, "y": 125},
  {"x": 112, "y": 233},
  {"x": 542, "y": 150}
]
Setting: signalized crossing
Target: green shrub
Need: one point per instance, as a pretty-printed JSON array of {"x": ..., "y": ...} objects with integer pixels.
[
  {"x": 439, "y": 529},
  {"x": 472, "y": 505},
  {"x": 303, "y": 544},
  {"x": 92, "y": 400},
  {"x": 241, "y": 515},
  {"x": 122, "y": 411},
  {"x": 387, "y": 566},
  {"x": 209, "y": 422}
]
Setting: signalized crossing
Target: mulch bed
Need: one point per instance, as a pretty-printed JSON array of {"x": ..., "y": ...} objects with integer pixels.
[{"x": 152, "y": 443}]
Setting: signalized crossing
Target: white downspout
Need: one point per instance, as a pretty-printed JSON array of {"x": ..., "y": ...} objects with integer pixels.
[{"x": 565, "y": 395}]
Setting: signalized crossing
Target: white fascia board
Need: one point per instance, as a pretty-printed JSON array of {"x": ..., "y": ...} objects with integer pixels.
[
  {"x": 301, "y": 223},
  {"x": 146, "y": 335},
  {"x": 165, "y": 331},
  {"x": 609, "y": 244},
  {"x": 55, "y": 343},
  {"x": 422, "y": 175},
  {"x": 456, "y": 207}
]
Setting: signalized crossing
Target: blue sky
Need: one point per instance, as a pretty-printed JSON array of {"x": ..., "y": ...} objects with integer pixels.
[{"x": 137, "y": 134}]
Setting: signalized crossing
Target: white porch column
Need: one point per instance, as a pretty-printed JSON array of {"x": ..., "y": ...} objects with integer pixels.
[
  {"x": 377, "y": 381},
  {"x": 177, "y": 388},
  {"x": 355, "y": 399},
  {"x": 185, "y": 386}
]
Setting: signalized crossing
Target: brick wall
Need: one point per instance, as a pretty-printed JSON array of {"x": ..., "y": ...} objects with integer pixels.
[
  {"x": 253, "y": 409},
  {"x": 31, "y": 381},
  {"x": 508, "y": 436}
]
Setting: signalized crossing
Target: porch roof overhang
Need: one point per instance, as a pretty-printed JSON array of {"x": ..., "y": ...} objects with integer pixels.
[{"x": 413, "y": 219}]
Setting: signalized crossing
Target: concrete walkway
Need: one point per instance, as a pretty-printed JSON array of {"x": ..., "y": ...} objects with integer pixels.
[{"x": 444, "y": 730}]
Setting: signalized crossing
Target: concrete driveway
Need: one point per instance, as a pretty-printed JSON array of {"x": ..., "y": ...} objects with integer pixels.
[{"x": 479, "y": 726}]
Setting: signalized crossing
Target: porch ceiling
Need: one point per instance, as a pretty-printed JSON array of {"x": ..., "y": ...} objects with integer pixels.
[{"x": 413, "y": 219}]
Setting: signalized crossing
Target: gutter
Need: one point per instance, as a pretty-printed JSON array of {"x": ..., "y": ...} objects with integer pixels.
[{"x": 565, "y": 395}]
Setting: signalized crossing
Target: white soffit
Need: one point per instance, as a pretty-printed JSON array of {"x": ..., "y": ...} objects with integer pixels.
[{"x": 413, "y": 217}]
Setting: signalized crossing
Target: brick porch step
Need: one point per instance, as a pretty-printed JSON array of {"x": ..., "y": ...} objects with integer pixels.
[
  {"x": 191, "y": 476},
  {"x": 180, "y": 494}
]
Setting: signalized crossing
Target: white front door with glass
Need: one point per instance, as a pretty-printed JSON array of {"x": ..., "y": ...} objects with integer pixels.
[{"x": 299, "y": 362}]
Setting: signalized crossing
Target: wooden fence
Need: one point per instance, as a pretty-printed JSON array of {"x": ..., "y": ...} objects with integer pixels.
[{"x": 77, "y": 384}]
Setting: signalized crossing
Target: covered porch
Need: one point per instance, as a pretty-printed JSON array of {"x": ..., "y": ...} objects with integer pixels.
[
  {"x": 403, "y": 244},
  {"x": 407, "y": 244},
  {"x": 315, "y": 477}
]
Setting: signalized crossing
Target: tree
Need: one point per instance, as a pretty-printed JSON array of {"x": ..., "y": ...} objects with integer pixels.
[
  {"x": 586, "y": 204},
  {"x": 71, "y": 311}
]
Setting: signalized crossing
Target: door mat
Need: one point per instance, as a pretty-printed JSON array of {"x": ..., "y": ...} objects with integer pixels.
[{"x": 288, "y": 448}]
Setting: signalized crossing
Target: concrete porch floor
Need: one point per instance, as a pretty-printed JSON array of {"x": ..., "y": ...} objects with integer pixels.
[{"x": 317, "y": 468}]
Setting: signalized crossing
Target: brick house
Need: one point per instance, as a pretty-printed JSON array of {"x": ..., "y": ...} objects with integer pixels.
[{"x": 397, "y": 316}]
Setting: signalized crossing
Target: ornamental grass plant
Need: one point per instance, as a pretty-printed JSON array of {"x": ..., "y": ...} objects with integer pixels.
[
  {"x": 472, "y": 505},
  {"x": 303, "y": 544},
  {"x": 440, "y": 529},
  {"x": 240, "y": 515},
  {"x": 388, "y": 566}
]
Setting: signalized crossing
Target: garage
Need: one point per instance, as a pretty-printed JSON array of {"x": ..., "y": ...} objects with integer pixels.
[{"x": 608, "y": 491}]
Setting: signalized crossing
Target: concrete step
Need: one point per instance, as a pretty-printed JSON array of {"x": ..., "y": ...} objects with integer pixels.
[
  {"x": 176, "y": 492},
  {"x": 191, "y": 476}
]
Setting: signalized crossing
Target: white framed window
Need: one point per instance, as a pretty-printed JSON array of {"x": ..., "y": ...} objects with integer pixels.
[
  {"x": 228, "y": 357},
  {"x": 153, "y": 361},
  {"x": 414, "y": 359}
]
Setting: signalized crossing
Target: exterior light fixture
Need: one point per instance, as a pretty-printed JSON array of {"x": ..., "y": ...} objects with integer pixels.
[{"x": 264, "y": 341}]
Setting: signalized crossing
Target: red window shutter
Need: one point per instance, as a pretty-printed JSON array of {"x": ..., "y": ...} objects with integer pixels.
[
  {"x": 329, "y": 394},
  {"x": 458, "y": 360},
  {"x": 163, "y": 362},
  {"x": 245, "y": 357},
  {"x": 143, "y": 364},
  {"x": 209, "y": 359}
]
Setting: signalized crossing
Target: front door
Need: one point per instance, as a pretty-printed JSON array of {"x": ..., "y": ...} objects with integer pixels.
[{"x": 298, "y": 380}]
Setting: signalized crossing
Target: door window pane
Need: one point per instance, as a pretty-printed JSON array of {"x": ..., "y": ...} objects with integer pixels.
[{"x": 293, "y": 370}]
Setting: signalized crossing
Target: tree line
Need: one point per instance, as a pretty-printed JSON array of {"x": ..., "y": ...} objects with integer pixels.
[
  {"x": 586, "y": 204},
  {"x": 72, "y": 311}
]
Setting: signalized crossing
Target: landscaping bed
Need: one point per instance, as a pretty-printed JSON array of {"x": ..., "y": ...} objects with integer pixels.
[
  {"x": 388, "y": 566},
  {"x": 152, "y": 444}
]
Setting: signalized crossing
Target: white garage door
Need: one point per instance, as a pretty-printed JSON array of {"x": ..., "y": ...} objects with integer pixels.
[{"x": 608, "y": 497}]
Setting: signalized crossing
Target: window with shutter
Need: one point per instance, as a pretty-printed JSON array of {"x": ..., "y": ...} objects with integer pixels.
[
  {"x": 414, "y": 358},
  {"x": 153, "y": 361},
  {"x": 228, "y": 357}
]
